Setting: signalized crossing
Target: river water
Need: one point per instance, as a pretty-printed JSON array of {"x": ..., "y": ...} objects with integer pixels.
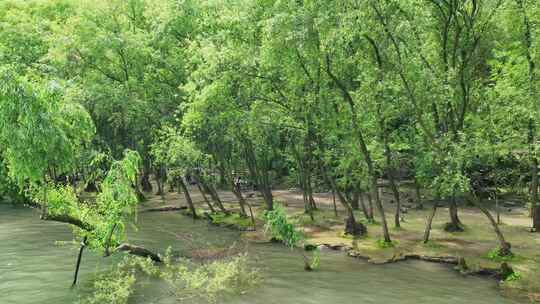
[{"x": 35, "y": 269}]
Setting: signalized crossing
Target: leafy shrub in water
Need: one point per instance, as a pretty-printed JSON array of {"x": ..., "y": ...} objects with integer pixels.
[
  {"x": 185, "y": 280},
  {"x": 112, "y": 288},
  {"x": 281, "y": 229}
]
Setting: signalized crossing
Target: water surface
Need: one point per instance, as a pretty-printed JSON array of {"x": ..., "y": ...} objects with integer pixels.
[{"x": 33, "y": 269}]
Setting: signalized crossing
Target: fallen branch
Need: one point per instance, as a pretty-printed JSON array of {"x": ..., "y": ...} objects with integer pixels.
[
  {"x": 138, "y": 251},
  {"x": 166, "y": 208}
]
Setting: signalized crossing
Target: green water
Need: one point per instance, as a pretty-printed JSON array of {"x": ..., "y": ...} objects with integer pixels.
[{"x": 35, "y": 270}]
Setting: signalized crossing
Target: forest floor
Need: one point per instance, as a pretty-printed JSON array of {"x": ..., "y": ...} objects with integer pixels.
[{"x": 473, "y": 244}]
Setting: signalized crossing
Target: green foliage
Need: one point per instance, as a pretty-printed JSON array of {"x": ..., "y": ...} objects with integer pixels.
[
  {"x": 185, "y": 280},
  {"x": 39, "y": 129},
  {"x": 117, "y": 202},
  {"x": 514, "y": 276},
  {"x": 278, "y": 226},
  {"x": 114, "y": 287},
  {"x": 493, "y": 255},
  {"x": 382, "y": 244},
  {"x": 316, "y": 259}
]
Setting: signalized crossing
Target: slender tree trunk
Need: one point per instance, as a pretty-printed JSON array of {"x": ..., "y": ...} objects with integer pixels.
[
  {"x": 334, "y": 202},
  {"x": 205, "y": 198},
  {"x": 215, "y": 197},
  {"x": 79, "y": 258},
  {"x": 370, "y": 210},
  {"x": 504, "y": 246},
  {"x": 535, "y": 204},
  {"x": 352, "y": 227},
  {"x": 427, "y": 231},
  {"x": 44, "y": 210},
  {"x": 241, "y": 201},
  {"x": 312, "y": 202},
  {"x": 364, "y": 208},
  {"x": 182, "y": 185},
  {"x": 355, "y": 199},
  {"x": 395, "y": 191},
  {"x": 497, "y": 208},
  {"x": 420, "y": 204},
  {"x": 380, "y": 208}
]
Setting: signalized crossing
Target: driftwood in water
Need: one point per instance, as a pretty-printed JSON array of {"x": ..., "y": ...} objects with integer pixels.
[
  {"x": 166, "y": 208},
  {"x": 138, "y": 251}
]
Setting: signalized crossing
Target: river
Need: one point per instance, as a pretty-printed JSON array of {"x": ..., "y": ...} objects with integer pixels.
[{"x": 34, "y": 269}]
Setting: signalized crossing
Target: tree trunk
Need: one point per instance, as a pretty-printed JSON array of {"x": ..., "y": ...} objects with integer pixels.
[
  {"x": 420, "y": 204},
  {"x": 160, "y": 174},
  {"x": 215, "y": 197},
  {"x": 205, "y": 198},
  {"x": 182, "y": 185},
  {"x": 355, "y": 200},
  {"x": 79, "y": 258},
  {"x": 334, "y": 202},
  {"x": 534, "y": 178},
  {"x": 312, "y": 203},
  {"x": 455, "y": 224},
  {"x": 380, "y": 208},
  {"x": 145, "y": 182},
  {"x": 536, "y": 218},
  {"x": 429, "y": 222},
  {"x": 504, "y": 246},
  {"x": 364, "y": 208},
  {"x": 241, "y": 201},
  {"x": 395, "y": 191},
  {"x": 351, "y": 226},
  {"x": 370, "y": 210}
]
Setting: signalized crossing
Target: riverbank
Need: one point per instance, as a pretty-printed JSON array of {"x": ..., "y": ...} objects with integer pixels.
[{"x": 472, "y": 245}]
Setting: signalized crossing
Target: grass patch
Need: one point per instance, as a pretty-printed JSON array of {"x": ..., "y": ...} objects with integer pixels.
[
  {"x": 494, "y": 256},
  {"x": 432, "y": 245},
  {"x": 382, "y": 244},
  {"x": 233, "y": 219}
]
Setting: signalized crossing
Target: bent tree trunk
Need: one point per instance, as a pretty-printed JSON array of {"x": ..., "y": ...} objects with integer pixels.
[
  {"x": 352, "y": 227},
  {"x": 427, "y": 232},
  {"x": 182, "y": 185},
  {"x": 504, "y": 246},
  {"x": 215, "y": 197},
  {"x": 205, "y": 198},
  {"x": 209, "y": 190},
  {"x": 79, "y": 258},
  {"x": 241, "y": 201}
]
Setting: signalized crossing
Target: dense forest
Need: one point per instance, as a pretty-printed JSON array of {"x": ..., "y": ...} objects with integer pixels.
[{"x": 389, "y": 109}]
